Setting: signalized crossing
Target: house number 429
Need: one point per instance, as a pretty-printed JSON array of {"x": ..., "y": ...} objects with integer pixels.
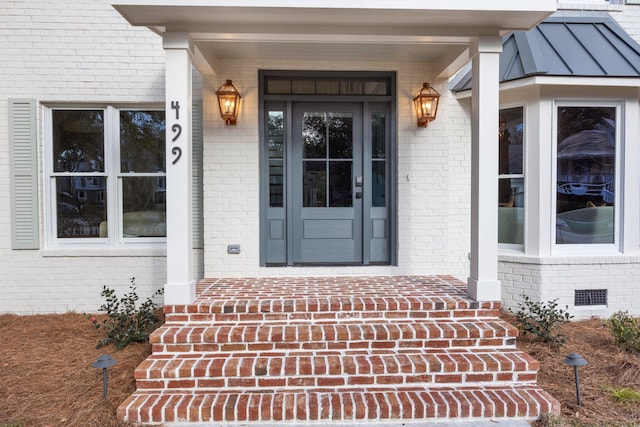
[{"x": 177, "y": 130}]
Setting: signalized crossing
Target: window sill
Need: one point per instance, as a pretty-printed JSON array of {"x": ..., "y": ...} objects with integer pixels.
[{"x": 104, "y": 252}]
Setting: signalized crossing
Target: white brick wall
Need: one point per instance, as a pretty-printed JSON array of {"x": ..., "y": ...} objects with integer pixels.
[
  {"x": 71, "y": 51},
  {"x": 83, "y": 51},
  {"x": 548, "y": 279}
]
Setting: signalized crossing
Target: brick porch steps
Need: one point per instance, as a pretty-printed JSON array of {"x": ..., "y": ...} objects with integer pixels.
[
  {"x": 312, "y": 349},
  {"x": 354, "y": 404}
]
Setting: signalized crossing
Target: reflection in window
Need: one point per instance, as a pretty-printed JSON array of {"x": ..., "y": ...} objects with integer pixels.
[
  {"x": 314, "y": 178},
  {"x": 586, "y": 163},
  {"x": 511, "y": 177},
  {"x": 144, "y": 207},
  {"x": 327, "y": 159},
  {"x": 378, "y": 161},
  {"x": 275, "y": 139},
  {"x": 83, "y": 162},
  {"x": 78, "y": 141},
  {"x": 80, "y": 206},
  {"x": 142, "y": 141}
]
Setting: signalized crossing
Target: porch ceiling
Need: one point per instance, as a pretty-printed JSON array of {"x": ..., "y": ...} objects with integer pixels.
[{"x": 339, "y": 30}]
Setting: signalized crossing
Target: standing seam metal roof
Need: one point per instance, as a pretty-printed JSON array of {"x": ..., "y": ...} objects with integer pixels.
[{"x": 593, "y": 46}]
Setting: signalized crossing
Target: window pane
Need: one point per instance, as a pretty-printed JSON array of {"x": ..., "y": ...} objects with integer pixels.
[
  {"x": 376, "y": 88},
  {"x": 276, "y": 184},
  {"x": 378, "y": 135},
  {"x": 276, "y": 87},
  {"x": 340, "y": 135},
  {"x": 303, "y": 87},
  {"x": 340, "y": 184},
  {"x": 511, "y": 138},
  {"x": 142, "y": 146},
  {"x": 314, "y": 134},
  {"x": 327, "y": 87},
  {"x": 314, "y": 184},
  {"x": 78, "y": 140},
  {"x": 586, "y": 175},
  {"x": 511, "y": 211},
  {"x": 81, "y": 206},
  {"x": 144, "y": 206},
  {"x": 351, "y": 87},
  {"x": 275, "y": 135},
  {"x": 378, "y": 184}
]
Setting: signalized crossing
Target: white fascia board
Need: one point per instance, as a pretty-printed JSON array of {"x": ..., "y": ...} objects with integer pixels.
[
  {"x": 562, "y": 81},
  {"x": 470, "y": 5},
  {"x": 504, "y": 14}
]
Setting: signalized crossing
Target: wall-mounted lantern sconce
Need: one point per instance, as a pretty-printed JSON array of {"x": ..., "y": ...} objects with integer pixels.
[
  {"x": 229, "y": 102},
  {"x": 426, "y": 105}
]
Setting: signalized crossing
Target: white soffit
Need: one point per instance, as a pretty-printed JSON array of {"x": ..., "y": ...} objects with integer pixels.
[{"x": 402, "y": 30}]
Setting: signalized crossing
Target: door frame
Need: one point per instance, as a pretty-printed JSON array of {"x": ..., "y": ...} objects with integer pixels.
[{"x": 284, "y": 102}]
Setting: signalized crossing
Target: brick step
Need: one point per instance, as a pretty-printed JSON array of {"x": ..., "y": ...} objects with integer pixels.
[
  {"x": 349, "y": 349},
  {"x": 334, "y": 369},
  {"x": 389, "y": 334},
  {"x": 312, "y": 308},
  {"x": 383, "y": 403}
]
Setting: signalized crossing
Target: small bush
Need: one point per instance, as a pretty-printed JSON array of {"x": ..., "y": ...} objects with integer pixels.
[
  {"x": 126, "y": 322},
  {"x": 542, "y": 319},
  {"x": 625, "y": 330},
  {"x": 623, "y": 394}
]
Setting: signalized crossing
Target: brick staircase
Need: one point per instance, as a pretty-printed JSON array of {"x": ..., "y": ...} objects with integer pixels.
[{"x": 306, "y": 350}]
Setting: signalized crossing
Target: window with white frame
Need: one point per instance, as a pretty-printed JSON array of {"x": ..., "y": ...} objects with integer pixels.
[
  {"x": 586, "y": 153},
  {"x": 106, "y": 175},
  {"x": 511, "y": 177}
]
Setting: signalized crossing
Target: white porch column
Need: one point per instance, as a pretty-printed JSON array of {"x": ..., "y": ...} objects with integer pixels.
[
  {"x": 180, "y": 287},
  {"x": 483, "y": 283}
]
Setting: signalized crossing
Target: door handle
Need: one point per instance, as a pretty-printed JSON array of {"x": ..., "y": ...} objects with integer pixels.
[
  {"x": 358, "y": 181},
  {"x": 358, "y": 194}
]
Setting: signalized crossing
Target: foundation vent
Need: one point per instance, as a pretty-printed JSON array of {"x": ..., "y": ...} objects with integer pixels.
[{"x": 590, "y": 297}]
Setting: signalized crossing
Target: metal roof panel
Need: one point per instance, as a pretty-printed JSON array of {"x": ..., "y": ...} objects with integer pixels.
[{"x": 580, "y": 46}]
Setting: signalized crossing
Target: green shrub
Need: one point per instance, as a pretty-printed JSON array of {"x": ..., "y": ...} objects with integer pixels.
[
  {"x": 127, "y": 322},
  {"x": 542, "y": 319},
  {"x": 625, "y": 330},
  {"x": 623, "y": 394}
]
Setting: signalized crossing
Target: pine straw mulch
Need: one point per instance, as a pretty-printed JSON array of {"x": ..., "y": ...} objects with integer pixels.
[
  {"x": 46, "y": 377},
  {"x": 609, "y": 366}
]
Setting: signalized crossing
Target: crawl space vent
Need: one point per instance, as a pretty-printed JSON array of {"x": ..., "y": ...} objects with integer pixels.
[{"x": 590, "y": 297}]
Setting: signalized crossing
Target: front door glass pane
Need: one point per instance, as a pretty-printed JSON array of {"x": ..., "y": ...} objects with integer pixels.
[
  {"x": 340, "y": 135},
  {"x": 327, "y": 159},
  {"x": 314, "y": 178},
  {"x": 340, "y": 184},
  {"x": 586, "y": 168},
  {"x": 314, "y": 136}
]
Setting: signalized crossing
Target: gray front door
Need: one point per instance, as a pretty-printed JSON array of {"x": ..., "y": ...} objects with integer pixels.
[{"x": 327, "y": 183}]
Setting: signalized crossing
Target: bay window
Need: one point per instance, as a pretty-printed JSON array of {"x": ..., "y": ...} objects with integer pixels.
[
  {"x": 106, "y": 175},
  {"x": 511, "y": 177},
  {"x": 585, "y": 174}
]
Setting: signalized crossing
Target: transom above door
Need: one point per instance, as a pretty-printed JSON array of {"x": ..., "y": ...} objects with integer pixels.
[{"x": 326, "y": 181}]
